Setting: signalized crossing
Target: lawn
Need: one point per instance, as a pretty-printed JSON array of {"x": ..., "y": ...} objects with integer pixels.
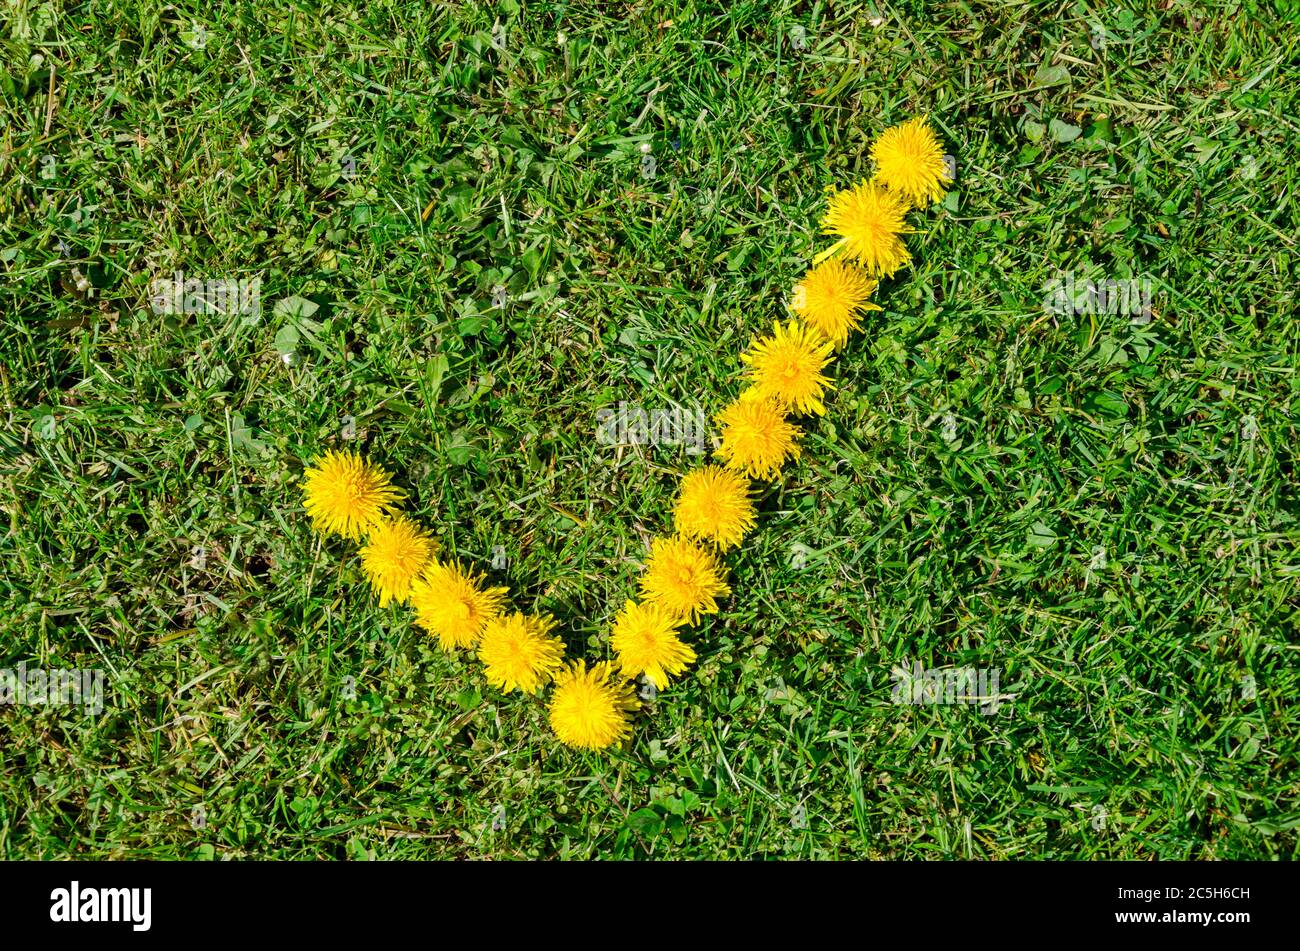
[{"x": 478, "y": 226}]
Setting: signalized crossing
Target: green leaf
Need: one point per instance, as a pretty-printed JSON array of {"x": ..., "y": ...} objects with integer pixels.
[
  {"x": 295, "y": 307},
  {"x": 1063, "y": 131},
  {"x": 468, "y": 699},
  {"x": 434, "y": 373},
  {"x": 674, "y": 806},
  {"x": 459, "y": 449},
  {"x": 459, "y": 201},
  {"x": 646, "y": 821},
  {"x": 1040, "y": 536},
  {"x": 1107, "y": 404},
  {"x": 1051, "y": 75},
  {"x": 286, "y": 339},
  {"x": 241, "y": 435}
]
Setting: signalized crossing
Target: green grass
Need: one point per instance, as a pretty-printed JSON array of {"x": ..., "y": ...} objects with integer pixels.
[{"x": 1171, "y": 152}]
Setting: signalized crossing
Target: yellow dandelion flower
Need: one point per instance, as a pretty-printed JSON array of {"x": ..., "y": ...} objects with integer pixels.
[
  {"x": 683, "y": 578},
  {"x": 645, "y": 637},
  {"x": 589, "y": 708},
  {"x": 714, "y": 505},
  {"x": 787, "y": 367},
  {"x": 868, "y": 218},
  {"x": 453, "y": 604},
  {"x": 909, "y": 159},
  {"x": 757, "y": 439},
  {"x": 829, "y": 297},
  {"x": 348, "y": 495},
  {"x": 519, "y": 652},
  {"x": 395, "y": 554}
]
